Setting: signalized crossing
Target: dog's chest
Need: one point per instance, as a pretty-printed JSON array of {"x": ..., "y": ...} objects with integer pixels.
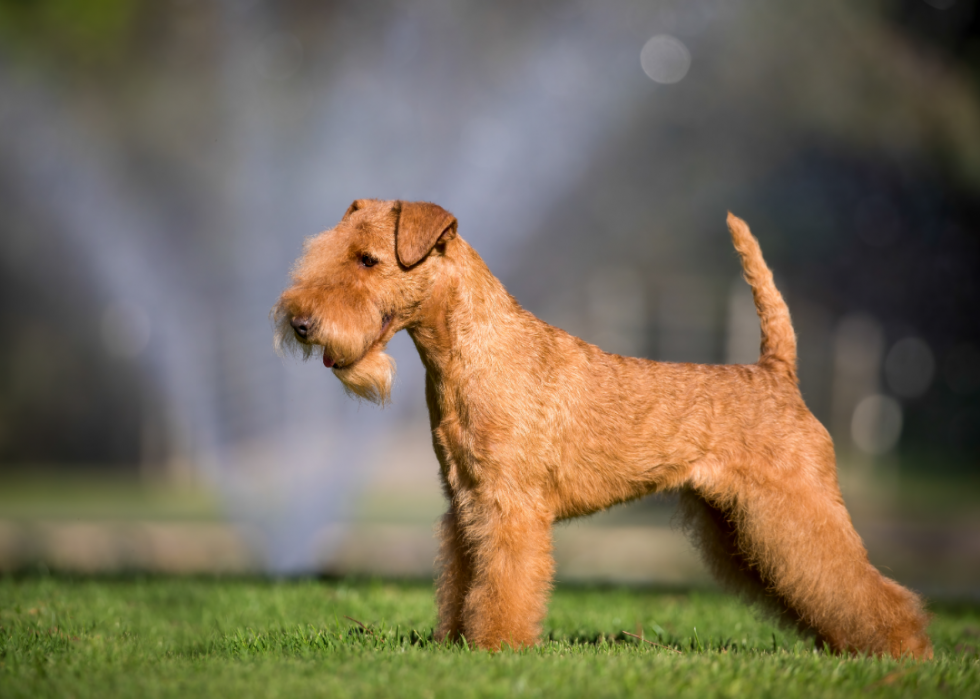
[{"x": 472, "y": 438}]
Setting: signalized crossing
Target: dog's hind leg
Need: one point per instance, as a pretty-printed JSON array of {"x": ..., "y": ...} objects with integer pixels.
[
  {"x": 789, "y": 524},
  {"x": 713, "y": 533}
]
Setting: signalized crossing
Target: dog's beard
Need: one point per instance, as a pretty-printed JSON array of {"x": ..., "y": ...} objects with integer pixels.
[{"x": 370, "y": 377}]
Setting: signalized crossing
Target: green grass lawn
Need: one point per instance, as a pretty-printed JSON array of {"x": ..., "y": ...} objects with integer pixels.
[{"x": 246, "y": 637}]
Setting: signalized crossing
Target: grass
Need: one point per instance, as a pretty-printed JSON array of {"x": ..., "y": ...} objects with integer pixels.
[
  {"x": 189, "y": 637},
  {"x": 50, "y": 493}
]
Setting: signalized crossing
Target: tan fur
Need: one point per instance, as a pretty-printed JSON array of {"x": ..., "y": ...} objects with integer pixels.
[{"x": 531, "y": 426}]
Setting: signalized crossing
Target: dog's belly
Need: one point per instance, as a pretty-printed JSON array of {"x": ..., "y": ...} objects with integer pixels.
[{"x": 591, "y": 485}]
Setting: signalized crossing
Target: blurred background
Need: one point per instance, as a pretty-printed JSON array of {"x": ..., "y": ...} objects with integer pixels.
[{"x": 161, "y": 164}]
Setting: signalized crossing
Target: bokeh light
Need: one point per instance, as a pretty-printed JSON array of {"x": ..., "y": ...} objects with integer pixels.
[
  {"x": 909, "y": 367},
  {"x": 665, "y": 59},
  {"x": 877, "y": 424}
]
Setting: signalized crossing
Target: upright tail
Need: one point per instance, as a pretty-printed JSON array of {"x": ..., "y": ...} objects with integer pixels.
[{"x": 778, "y": 350}]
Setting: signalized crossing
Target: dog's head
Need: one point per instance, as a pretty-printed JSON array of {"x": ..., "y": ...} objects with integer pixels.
[{"x": 358, "y": 284}]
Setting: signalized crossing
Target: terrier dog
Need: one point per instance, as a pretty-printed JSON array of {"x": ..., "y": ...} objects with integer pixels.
[{"x": 532, "y": 426}]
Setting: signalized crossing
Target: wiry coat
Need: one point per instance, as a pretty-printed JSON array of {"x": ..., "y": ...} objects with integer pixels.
[{"x": 532, "y": 425}]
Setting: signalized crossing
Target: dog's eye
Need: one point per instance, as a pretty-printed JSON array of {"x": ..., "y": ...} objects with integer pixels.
[{"x": 368, "y": 261}]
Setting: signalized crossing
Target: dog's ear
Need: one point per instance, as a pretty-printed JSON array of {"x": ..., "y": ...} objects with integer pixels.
[
  {"x": 420, "y": 226},
  {"x": 358, "y": 204}
]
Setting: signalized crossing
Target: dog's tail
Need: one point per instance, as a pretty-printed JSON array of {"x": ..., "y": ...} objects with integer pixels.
[{"x": 778, "y": 350}]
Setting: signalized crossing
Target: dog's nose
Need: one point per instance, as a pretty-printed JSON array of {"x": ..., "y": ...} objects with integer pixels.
[{"x": 301, "y": 325}]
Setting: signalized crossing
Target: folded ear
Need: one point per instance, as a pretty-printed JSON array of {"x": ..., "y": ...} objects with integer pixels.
[
  {"x": 358, "y": 204},
  {"x": 420, "y": 226}
]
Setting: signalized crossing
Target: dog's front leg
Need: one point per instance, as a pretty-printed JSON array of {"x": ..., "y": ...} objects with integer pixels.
[
  {"x": 510, "y": 548},
  {"x": 454, "y": 578}
]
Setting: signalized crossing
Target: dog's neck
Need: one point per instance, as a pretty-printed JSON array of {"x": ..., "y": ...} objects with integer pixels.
[{"x": 463, "y": 314}]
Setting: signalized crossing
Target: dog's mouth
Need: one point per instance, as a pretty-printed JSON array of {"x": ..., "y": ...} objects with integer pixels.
[{"x": 329, "y": 362}]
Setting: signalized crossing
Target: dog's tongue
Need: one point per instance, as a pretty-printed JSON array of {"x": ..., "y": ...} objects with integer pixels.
[{"x": 327, "y": 360}]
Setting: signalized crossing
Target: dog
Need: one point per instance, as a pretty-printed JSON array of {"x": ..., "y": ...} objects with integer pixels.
[{"x": 532, "y": 426}]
